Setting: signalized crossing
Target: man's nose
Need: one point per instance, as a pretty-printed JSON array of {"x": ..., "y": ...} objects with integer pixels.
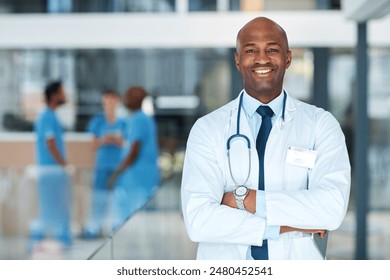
[{"x": 262, "y": 57}]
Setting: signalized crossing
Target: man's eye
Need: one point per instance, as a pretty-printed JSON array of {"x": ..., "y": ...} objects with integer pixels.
[
  {"x": 273, "y": 50},
  {"x": 250, "y": 51}
]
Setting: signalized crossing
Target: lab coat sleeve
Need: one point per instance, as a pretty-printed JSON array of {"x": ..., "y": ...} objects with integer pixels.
[
  {"x": 323, "y": 204},
  {"x": 203, "y": 185}
]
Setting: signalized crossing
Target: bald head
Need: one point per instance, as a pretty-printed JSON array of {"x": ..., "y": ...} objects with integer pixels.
[
  {"x": 261, "y": 24},
  {"x": 133, "y": 98}
]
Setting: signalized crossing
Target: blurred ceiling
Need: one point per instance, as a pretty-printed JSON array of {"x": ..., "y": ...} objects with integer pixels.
[{"x": 364, "y": 10}]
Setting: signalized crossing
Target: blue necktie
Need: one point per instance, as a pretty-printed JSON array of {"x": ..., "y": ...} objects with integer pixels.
[{"x": 266, "y": 113}]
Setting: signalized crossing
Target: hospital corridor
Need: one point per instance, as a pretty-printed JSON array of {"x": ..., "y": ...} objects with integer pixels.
[{"x": 111, "y": 100}]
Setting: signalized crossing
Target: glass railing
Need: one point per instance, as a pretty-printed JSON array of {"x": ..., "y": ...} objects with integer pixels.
[
  {"x": 44, "y": 213},
  {"x": 156, "y": 230},
  {"x": 153, "y": 231}
]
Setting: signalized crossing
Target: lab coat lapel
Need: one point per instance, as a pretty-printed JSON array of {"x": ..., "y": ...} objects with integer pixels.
[
  {"x": 290, "y": 109},
  {"x": 280, "y": 138}
]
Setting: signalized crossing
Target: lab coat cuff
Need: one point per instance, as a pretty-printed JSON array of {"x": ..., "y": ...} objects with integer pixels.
[
  {"x": 271, "y": 232},
  {"x": 260, "y": 204}
]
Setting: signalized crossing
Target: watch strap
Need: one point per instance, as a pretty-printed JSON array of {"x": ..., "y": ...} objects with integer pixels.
[{"x": 240, "y": 203}]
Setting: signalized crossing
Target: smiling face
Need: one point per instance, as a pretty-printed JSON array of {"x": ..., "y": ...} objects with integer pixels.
[{"x": 262, "y": 58}]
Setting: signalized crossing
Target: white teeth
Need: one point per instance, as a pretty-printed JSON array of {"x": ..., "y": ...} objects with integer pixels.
[{"x": 263, "y": 71}]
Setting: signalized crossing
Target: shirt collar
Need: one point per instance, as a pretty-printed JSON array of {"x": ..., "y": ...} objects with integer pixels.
[{"x": 251, "y": 104}]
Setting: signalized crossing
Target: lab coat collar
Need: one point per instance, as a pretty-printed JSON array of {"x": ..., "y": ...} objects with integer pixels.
[
  {"x": 244, "y": 125},
  {"x": 251, "y": 104}
]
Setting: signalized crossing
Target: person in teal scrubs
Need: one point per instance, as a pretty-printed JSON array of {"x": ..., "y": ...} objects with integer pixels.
[
  {"x": 54, "y": 184},
  {"x": 107, "y": 130},
  {"x": 138, "y": 175}
]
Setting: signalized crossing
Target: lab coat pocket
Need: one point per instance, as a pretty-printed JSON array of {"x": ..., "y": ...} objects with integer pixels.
[
  {"x": 296, "y": 176},
  {"x": 299, "y": 162},
  {"x": 303, "y": 248}
]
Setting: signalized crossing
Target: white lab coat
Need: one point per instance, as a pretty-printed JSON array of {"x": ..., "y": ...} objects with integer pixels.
[{"x": 295, "y": 196}]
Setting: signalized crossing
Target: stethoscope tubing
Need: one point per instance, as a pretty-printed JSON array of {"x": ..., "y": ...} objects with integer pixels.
[{"x": 238, "y": 135}]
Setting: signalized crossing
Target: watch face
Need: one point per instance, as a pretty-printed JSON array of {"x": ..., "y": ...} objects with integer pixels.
[{"x": 241, "y": 190}]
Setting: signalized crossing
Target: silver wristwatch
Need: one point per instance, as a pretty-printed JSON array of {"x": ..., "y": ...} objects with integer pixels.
[{"x": 240, "y": 193}]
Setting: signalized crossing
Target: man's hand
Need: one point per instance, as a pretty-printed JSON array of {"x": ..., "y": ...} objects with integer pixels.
[
  {"x": 228, "y": 199},
  {"x": 112, "y": 139},
  {"x": 321, "y": 232}
]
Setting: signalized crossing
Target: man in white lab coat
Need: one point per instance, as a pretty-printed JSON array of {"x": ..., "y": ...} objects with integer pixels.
[{"x": 305, "y": 168}]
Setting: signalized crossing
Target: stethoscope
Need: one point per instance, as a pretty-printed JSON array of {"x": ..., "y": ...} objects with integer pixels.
[{"x": 246, "y": 139}]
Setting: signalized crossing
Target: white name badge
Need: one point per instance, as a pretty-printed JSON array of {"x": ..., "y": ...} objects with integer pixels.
[{"x": 301, "y": 157}]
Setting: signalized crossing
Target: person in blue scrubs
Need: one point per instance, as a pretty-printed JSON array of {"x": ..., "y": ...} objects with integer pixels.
[
  {"x": 107, "y": 130},
  {"x": 138, "y": 175},
  {"x": 54, "y": 184}
]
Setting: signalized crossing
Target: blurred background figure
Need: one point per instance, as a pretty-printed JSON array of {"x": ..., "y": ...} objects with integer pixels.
[
  {"x": 53, "y": 181},
  {"x": 137, "y": 176},
  {"x": 107, "y": 130}
]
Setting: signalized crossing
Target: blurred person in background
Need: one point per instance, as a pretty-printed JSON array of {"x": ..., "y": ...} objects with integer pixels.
[
  {"x": 107, "y": 130},
  {"x": 54, "y": 184},
  {"x": 138, "y": 175}
]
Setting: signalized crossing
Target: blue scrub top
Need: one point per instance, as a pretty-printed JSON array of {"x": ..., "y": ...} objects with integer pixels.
[
  {"x": 144, "y": 171},
  {"x": 48, "y": 126},
  {"x": 140, "y": 180},
  {"x": 107, "y": 156}
]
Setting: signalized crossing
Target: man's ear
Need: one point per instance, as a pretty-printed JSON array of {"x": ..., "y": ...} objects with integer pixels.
[
  {"x": 288, "y": 58},
  {"x": 237, "y": 61}
]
